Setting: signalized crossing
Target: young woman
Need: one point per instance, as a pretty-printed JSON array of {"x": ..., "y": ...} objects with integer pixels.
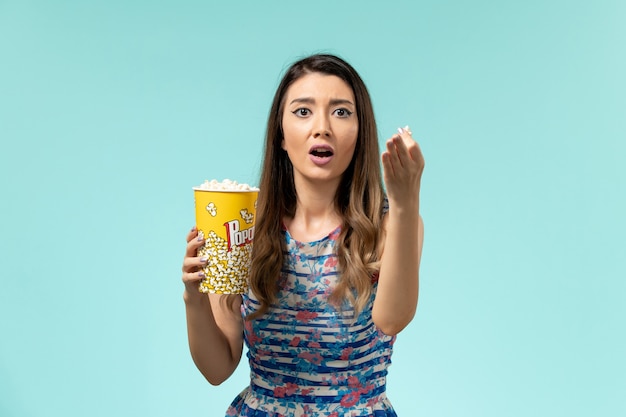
[{"x": 335, "y": 264}]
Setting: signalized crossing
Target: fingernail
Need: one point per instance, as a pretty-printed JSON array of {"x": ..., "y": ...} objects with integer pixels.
[
  {"x": 201, "y": 274},
  {"x": 400, "y": 130},
  {"x": 193, "y": 229},
  {"x": 204, "y": 259}
]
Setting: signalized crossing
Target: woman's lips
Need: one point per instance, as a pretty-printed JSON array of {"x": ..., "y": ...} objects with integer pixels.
[
  {"x": 320, "y": 160},
  {"x": 321, "y": 154}
]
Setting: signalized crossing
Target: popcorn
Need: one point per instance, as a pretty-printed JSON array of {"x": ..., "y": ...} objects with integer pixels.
[
  {"x": 225, "y": 185},
  {"x": 211, "y": 209},
  {"x": 226, "y": 270},
  {"x": 247, "y": 217},
  {"x": 225, "y": 214}
]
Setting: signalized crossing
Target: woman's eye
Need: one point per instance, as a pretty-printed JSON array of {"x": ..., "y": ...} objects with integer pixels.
[
  {"x": 302, "y": 112},
  {"x": 343, "y": 112}
]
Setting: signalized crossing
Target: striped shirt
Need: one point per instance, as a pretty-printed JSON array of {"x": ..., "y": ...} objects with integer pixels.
[{"x": 308, "y": 358}]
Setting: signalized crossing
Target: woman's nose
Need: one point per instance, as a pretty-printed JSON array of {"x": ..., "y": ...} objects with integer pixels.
[{"x": 322, "y": 126}]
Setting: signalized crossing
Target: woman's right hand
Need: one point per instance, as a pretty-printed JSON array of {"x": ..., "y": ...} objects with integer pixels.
[{"x": 192, "y": 273}]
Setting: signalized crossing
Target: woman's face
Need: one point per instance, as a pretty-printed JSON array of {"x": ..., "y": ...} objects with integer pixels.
[{"x": 320, "y": 128}]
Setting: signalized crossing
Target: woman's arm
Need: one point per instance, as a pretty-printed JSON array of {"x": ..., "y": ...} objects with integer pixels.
[
  {"x": 398, "y": 282},
  {"x": 214, "y": 324}
]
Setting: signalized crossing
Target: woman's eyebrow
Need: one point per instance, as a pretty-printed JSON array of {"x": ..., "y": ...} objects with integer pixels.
[
  {"x": 336, "y": 101},
  {"x": 311, "y": 100},
  {"x": 305, "y": 100}
]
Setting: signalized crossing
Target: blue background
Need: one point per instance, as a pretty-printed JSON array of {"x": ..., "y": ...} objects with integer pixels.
[{"x": 110, "y": 111}]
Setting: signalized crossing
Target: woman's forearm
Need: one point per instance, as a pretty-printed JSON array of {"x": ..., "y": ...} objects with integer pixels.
[
  {"x": 215, "y": 351},
  {"x": 398, "y": 283}
]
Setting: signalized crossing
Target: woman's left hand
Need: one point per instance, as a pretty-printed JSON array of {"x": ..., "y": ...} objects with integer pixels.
[{"x": 403, "y": 164}]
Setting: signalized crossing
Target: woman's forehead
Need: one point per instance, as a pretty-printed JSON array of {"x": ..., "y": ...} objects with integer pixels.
[{"x": 319, "y": 86}]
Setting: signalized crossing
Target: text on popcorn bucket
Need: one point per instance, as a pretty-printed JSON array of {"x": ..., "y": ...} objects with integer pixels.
[{"x": 237, "y": 237}]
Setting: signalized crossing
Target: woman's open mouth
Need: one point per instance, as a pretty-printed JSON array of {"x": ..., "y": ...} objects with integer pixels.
[{"x": 321, "y": 155}]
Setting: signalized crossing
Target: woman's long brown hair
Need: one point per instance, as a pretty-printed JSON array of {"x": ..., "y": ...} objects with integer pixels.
[{"x": 359, "y": 197}]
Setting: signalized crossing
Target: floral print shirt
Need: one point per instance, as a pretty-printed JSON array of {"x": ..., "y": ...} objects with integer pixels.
[{"x": 308, "y": 358}]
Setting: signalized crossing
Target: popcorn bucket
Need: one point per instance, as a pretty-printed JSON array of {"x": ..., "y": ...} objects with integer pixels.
[{"x": 226, "y": 219}]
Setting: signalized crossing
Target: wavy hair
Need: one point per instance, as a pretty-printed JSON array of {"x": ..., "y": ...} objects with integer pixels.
[{"x": 359, "y": 197}]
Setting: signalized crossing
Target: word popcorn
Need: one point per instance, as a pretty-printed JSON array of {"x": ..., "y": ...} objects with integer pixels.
[{"x": 237, "y": 237}]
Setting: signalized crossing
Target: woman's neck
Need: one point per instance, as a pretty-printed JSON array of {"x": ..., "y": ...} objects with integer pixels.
[{"x": 316, "y": 214}]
